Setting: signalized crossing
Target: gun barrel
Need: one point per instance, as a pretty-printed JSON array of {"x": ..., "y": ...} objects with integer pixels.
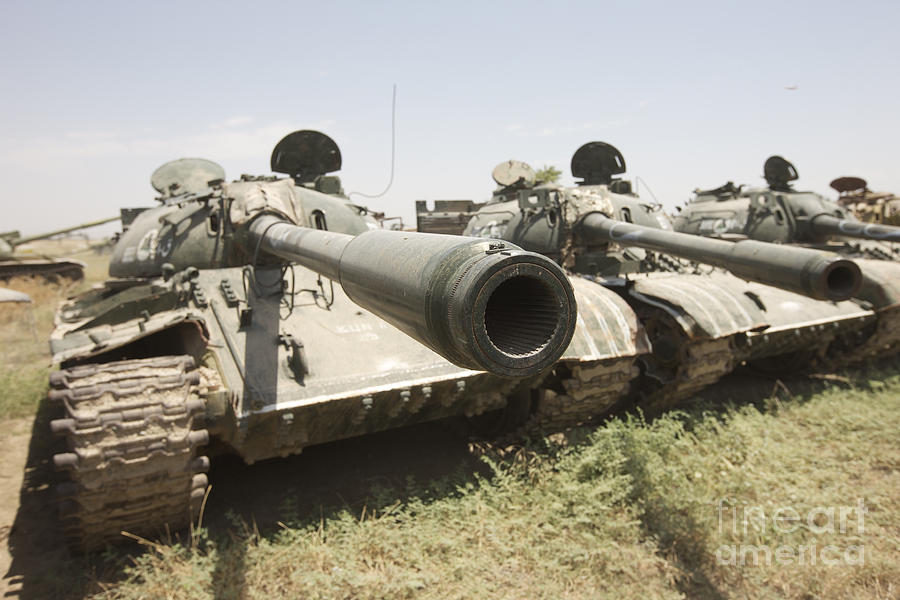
[
  {"x": 31, "y": 238},
  {"x": 482, "y": 304},
  {"x": 812, "y": 273},
  {"x": 825, "y": 225}
]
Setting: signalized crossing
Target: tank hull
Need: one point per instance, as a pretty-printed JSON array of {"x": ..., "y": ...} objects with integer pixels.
[{"x": 270, "y": 385}]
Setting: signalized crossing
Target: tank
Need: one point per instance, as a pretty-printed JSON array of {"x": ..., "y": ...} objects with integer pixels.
[
  {"x": 779, "y": 213},
  {"x": 446, "y": 216},
  {"x": 12, "y": 265},
  {"x": 868, "y": 206},
  {"x": 264, "y": 315},
  {"x": 775, "y": 303}
]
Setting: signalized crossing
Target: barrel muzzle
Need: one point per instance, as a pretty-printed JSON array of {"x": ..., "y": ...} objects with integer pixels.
[
  {"x": 510, "y": 312},
  {"x": 481, "y": 304},
  {"x": 838, "y": 279}
]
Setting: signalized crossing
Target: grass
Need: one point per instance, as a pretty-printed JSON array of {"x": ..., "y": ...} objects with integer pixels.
[
  {"x": 638, "y": 510},
  {"x": 25, "y": 328},
  {"x": 24, "y": 351}
]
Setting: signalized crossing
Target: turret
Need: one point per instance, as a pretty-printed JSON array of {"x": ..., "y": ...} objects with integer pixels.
[
  {"x": 484, "y": 305},
  {"x": 195, "y": 224},
  {"x": 778, "y": 213}
]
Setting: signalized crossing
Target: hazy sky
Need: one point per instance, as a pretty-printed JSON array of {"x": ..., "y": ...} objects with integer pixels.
[{"x": 96, "y": 95}]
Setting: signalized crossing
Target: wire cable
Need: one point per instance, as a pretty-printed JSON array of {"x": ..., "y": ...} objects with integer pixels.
[{"x": 393, "y": 150}]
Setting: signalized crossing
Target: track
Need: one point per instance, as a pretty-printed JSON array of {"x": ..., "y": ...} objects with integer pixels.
[
  {"x": 703, "y": 363},
  {"x": 879, "y": 340},
  {"x": 47, "y": 269},
  {"x": 680, "y": 365},
  {"x": 590, "y": 391},
  {"x": 132, "y": 431}
]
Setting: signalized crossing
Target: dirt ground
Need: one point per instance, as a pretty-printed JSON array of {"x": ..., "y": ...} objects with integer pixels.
[
  {"x": 14, "y": 452},
  {"x": 34, "y": 549}
]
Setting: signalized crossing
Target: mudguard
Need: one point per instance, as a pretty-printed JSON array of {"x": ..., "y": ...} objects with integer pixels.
[
  {"x": 720, "y": 305},
  {"x": 881, "y": 284},
  {"x": 599, "y": 367},
  {"x": 607, "y": 325},
  {"x": 705, "y": 306}
]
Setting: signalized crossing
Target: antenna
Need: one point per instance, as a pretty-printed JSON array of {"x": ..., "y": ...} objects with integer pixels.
[
  {"x": 638, "y": 180},
  {"x": 393, "y": 150}
]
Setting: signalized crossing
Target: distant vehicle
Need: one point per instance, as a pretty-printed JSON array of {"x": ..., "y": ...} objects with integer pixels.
[
  {"x": 447, "y": 216},
  {"x": 13, "y": 265},
  {"x": 868, "y": 206}
]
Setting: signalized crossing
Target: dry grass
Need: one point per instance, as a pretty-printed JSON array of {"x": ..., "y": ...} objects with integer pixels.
[
  {"x": 25, "y": 329},
  {"x": 24, "y": 351}
]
